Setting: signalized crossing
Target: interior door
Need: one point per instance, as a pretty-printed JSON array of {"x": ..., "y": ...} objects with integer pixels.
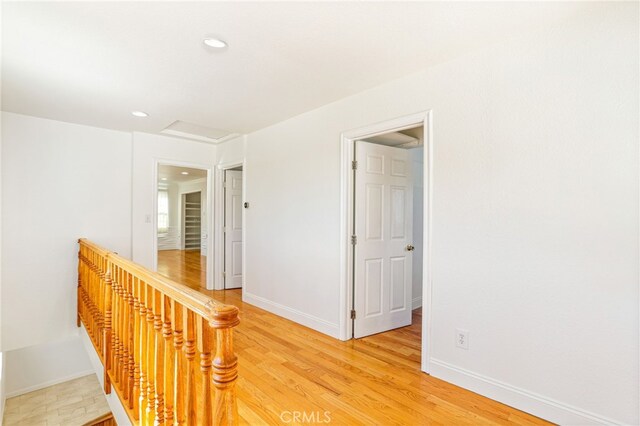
[
  {"x": 383, "y": 217},
  {"x": 233, "y": 229}
]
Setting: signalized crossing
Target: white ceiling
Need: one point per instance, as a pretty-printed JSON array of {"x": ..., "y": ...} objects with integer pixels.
[
  {"x": 94, "y": 62},
  {"x": 173, "y": 174}
]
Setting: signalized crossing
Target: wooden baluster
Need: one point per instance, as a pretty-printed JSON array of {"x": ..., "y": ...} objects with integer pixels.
[
  {"x": 150, "y": 354},
  {"x": 124, "y": 341},
  {"x": 159, "y": 357},
  {"x": 142, "y": 354},
  {"x": 124, "y": 300},
  {"x": 94, "y": 297},
  {"x": 205, "y": 344},
  {"x": 169, "y": 357},
  {"x": 135, "y": 347},
  {"x": 115, "y": 282},
  {"x": 108, "y": 338},
  {"x": 131, "y": 342},
  {"x": 121, "y": 335},
  {"x": 190, "y": 353},
  {"x": 100, "y": 307},
  {"x": 90, "y": 297},
  {"x": 179, "y": 375},
  {"x": 89, "y": 323},
  {"x": 225, "y": 364},
  {"x": 121, "y": 327}
]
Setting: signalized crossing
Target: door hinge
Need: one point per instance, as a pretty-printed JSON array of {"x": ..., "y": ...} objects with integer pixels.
[
  {"x": 224, "y": 274},
  {"x": 353, "y": 314},
  {"x": 354, "y": 240},
  {"x": 354, "y": 165}
]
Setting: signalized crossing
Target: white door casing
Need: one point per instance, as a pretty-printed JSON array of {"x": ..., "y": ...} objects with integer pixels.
[
  {"x": 383, "y": 228},
  {"x": 233, "y": 229}
]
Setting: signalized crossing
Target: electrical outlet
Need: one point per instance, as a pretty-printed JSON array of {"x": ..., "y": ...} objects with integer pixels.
[{"x": 462, "y": 338}]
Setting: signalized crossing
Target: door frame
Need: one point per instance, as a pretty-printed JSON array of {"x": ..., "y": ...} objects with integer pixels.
[
  {"x": 157, "y": 162},
  {"x": 348, "y": 139},
  {"x": 219, "y": 210}
]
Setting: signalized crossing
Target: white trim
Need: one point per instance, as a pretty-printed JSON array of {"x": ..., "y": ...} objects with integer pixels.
[
  {"x": 522, "y": 399},
  {"x": 154, "y": 219},
  {"x": 49, "y": 383},
  {"x": 348, "y": 138},
  {"x": 427, "y": 284},
  {"x": 294, "y": 315},
  {"x": 416, "y": 302},
  {"x": 219, "y": 223},
  {"x": 199, "y": 138}
]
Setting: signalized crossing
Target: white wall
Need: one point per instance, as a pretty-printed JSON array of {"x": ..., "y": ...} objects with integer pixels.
[
  {"x": 231, "y": 152},
  {"x": 147, "y": 150},
  {"x": 535, "y": 215},
  {"x": 60, "y": 182},
  {"x": 39, "y": 366}
]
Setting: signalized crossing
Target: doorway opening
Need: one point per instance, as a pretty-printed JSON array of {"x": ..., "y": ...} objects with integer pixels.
[
  {"x": 386, "y": 223},
  {"x": 183, "y": 224}
]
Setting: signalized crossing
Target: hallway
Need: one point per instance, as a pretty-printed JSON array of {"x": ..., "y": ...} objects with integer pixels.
[{"x": 288, "y": 370}]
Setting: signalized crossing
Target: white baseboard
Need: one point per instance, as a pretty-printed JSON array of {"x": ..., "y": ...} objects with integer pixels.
[
  {"x": 300, "y": 317},
  {"x": 530, "y": 402},
  {"x": 43, "y": 385},
  {"x": 416, "y": 302}
]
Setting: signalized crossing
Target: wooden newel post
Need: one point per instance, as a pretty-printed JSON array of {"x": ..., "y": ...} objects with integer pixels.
[{"x": 225, "y": 363}]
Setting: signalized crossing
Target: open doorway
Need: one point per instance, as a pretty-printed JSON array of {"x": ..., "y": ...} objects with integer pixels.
[
  {"x": 182, "y": 224},
  {"x": 387, "y": 277},
  {"x": 386, "y": 225}
]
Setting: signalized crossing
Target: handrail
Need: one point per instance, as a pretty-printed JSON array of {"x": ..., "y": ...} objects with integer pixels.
[{"x": 149, "y": 331}]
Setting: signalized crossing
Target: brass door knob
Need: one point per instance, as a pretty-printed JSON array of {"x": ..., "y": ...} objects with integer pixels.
[{"x": 410, "y": 248}]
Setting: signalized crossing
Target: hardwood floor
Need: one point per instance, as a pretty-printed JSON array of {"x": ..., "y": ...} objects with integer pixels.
[
  {"x": 187, "y": 267},
  {"x": 290, "y": 374}
]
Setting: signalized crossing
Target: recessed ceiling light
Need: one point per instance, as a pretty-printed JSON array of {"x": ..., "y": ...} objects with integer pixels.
[
  {"x": 215, "y": 43},
  {"x": 163, "y": 178},
  {"x": 139, "y": 113},
  {"x": 184, "y": 173}
]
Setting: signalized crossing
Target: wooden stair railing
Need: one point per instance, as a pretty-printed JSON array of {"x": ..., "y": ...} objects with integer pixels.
[{"x": 151, "y": 335}]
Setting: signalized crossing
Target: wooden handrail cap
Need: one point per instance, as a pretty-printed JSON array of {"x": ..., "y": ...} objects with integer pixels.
[{"x": 222, "y": 316}]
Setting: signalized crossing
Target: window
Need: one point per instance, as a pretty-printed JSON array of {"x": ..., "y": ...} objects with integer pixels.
[{"x": 163, "y": 211}]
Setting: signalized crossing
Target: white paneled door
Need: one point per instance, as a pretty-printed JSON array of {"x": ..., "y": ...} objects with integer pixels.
[
  {"x": 383, "y": 230},
  {"x": 233, "y": 229}
]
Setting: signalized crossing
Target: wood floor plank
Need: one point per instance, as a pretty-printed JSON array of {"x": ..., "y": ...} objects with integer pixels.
[{"x": 285, "y": 368}]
